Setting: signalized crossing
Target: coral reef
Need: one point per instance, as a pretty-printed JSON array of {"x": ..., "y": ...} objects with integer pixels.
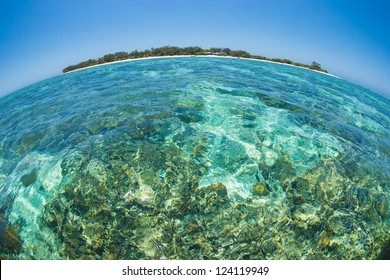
[
  {"x": 197, "y": 159},
  {"x": 10, "y": 244}
]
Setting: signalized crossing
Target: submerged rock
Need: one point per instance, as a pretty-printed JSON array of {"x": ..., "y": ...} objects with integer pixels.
[
  {"x": 382, "y": 206},
  {"x": 29, "y": 178},
  {"x": 190, "y": 118},
  {"x": 325, "y": 240},
  {"x": 260, "y": 188},
  {"x": 198, "y": 150},
  {"x": 10, "y": 243},
  {"x": 385, "y": 252},
  {"x": 219, "y": 188},
  {"x": 282, "y": 170}
]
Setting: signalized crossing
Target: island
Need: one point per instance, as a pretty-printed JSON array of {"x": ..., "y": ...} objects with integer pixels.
[{"x": 175, "y": 51}]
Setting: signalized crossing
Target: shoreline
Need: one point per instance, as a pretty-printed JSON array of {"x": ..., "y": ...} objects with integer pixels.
[
  {"x": 254, "y": 59},
  {"x": 215, "y": 56}
]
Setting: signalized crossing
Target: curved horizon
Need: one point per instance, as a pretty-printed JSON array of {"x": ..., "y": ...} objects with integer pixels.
[{"x": 205, "y": 56}]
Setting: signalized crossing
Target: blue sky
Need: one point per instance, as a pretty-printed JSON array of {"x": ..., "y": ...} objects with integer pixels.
[{"x": 351, "y": 39}]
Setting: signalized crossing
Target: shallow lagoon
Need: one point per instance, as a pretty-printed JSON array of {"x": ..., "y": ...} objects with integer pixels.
[{"x": 194, "y": 158}]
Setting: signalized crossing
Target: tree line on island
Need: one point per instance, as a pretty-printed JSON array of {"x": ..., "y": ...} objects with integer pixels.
[{"x": 173, "y": 51}]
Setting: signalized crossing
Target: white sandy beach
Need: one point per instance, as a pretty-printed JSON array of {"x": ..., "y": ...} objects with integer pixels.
[{"x": 217, "y": 56}]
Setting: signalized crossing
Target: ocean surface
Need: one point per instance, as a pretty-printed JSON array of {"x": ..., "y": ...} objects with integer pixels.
[{"x": 194, "y": 158}]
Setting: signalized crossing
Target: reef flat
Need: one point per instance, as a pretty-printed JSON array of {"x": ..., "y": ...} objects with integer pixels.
[{"x": 194, "y": 158}]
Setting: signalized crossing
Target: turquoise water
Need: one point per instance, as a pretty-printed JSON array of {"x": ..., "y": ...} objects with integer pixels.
[{"x": 194, "y": 158}]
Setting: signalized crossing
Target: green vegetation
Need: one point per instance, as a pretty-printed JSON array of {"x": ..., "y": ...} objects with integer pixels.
[{"x": 172, "y": 51}]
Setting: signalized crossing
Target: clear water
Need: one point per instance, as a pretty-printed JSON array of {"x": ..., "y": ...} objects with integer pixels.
[{"x": 194, "y": 158}]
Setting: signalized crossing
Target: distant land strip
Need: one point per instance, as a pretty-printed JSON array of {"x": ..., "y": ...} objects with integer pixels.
[{"x": 174, "y": 51}]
